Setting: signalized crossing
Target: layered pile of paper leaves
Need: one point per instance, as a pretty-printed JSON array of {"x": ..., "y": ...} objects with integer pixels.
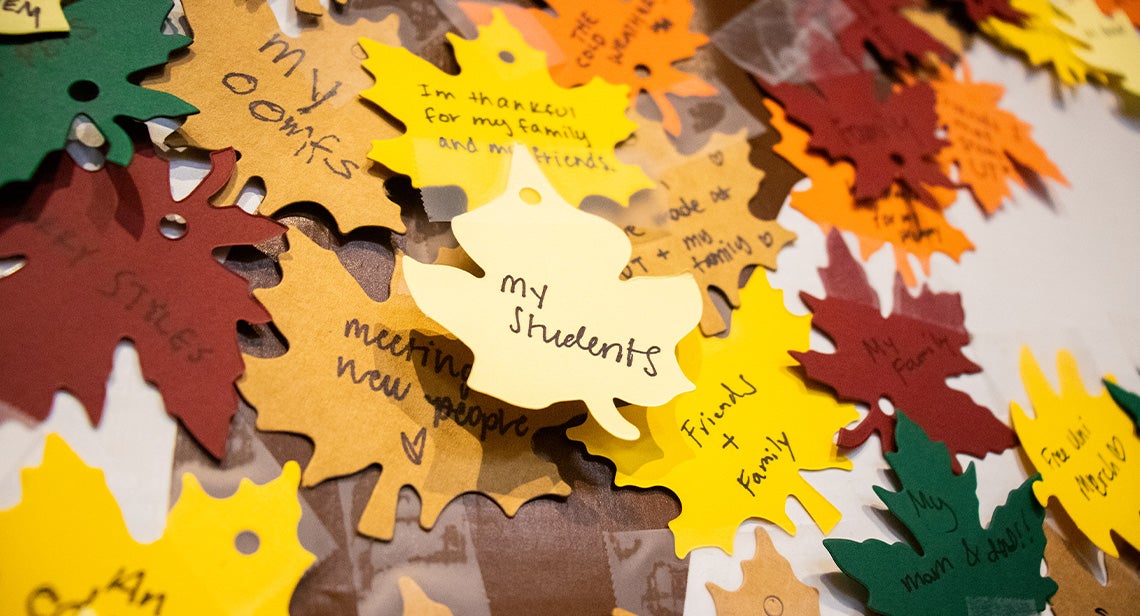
[{"x": 515, "y": 258}]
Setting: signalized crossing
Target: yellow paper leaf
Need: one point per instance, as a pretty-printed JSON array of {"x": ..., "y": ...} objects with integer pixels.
[
  {"x": 1084, "y": 446},
  {"x": 416, "y": 601},
  {"x": 1113, "y": 45},
  {"x": 377, "y": 383},
  {"x": 910, "y": 228},
  {"x": 66, "y": 547},
  {"x": 550, "y": 320},
  {"x": 32, "y": 16},
  {"x": 734, "y": 447},
  {"x": 770, "y": 586},
  {"x": 698, "y": 220},
  {"x": 461, "y": 128},
  {"x": 1041, "y": 38},
  {"x": 289, "y": 106}
]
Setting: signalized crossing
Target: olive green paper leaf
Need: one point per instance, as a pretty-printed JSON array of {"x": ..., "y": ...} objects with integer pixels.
[
  {"x": 46, "y": 81},
  {"x": 960, "y": 568}
]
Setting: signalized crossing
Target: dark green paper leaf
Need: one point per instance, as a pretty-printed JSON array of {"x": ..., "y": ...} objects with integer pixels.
[
  {"x": 1125, "y": 399},
  {"x": 962, "y": 569},
  {"x": 46, "y": 81}
]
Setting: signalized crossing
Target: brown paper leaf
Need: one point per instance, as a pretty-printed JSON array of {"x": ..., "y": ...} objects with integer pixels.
[
  {"x": 376, "y": 383},
  {"x": 1079, "y": 591},
  {"x": 770, "y": 586},
  {"x": 416, "y": 601},
  {"x": 699, "y": 221},
  {"x": 289, "y": 105}
]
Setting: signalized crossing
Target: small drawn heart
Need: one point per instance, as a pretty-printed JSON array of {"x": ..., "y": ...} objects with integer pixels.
[
  {"x": 717, "y": 158},
  {"x": 414, "y": 448}
]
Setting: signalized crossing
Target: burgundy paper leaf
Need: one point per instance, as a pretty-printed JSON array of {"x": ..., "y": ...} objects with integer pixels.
[
  {"x": 895, "y": 38},
  {"x": 980, "y": 10},
  {"x": 905, "y": 357},
  {"x": 98, "y": 270},
  {"x": 886, "y": 140}
]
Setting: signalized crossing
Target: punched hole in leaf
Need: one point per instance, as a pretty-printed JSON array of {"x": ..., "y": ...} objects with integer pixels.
[
  {"x": 530, "y": 196},
  {"x": 247, "y": 542},
  {"x": 642, "y": 71},
  {"x": 897, "y": 159},
  {"x": 507, "y": 57},
  {"x": 172, "y": 227},
  {"x": 83, "y": 90}
]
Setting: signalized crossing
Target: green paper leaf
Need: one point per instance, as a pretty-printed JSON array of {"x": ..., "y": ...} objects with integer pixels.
[
  {"x": 1125, "y": 399},
  {"x": 961, "y": 568},
  {"x": 46, "y": 81}
]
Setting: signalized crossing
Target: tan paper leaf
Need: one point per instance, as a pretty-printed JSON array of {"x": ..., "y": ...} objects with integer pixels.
[
  {"x": 377, "y": 383},
  {"x": 288, "y": 105},
  {"x": 770, "y": 587},
  {"x": 416, "y": 601}
]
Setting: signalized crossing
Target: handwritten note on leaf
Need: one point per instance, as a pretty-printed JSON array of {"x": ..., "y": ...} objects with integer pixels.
[
  {"x": 32, "y": 16},
  {"x": 550, "y": 320},
  {"x": 635, "y": 43},
  {"x": 201, "y": 565},
  {"x": 378, "y": 383},
  {"x": 737, "y": 445},
  {"x": 1084, "y": 446},
  {"x": 461, "y": 128},
  {"x": 959, "y": 568}
]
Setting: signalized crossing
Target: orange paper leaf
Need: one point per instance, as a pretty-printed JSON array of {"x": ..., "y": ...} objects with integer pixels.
[
  {"x": 911, "y": 228},
  {"x": 985, "y": 142},
  {"x": 630, "y": 42}
]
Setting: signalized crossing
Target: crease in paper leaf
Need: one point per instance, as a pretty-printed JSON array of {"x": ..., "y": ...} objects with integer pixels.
[
  {"x": 197, "y": 567},
  {"x": 629, "y": 43},
  {"x": 698, "y": 221},
  {"x": 550, "y": 321},
  {"x": 911, "y": 228},
  {"x": 133, "y": 444},
  {"x": 957, "y": 567},
  {"x": 289, "y": 105},
  {"x": 378, "y": 383},
  {"x": 738, "y": 445},
  {"x": 1082, "y": 445},
  {"x": 32, "y": 16},
  {"x": 461, "y": 129}
]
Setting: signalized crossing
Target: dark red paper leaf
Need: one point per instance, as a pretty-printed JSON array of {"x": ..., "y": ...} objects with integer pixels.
[
  {"x": 879, "y": 25},
  {"x": 886, "y": 140},
  {"x": 98, "y": 269},
  {"x": 905, "y": 357},
  {"x": 980, "y": 10}
]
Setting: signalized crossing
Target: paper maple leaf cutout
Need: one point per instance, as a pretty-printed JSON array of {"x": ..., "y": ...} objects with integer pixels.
[
  {"x": 1040, "y": 37},
  {"x": 197, "y": 567},
  {"x": 910, "y": 229},
  {"x": 289, "y": 105},
  {"x": 1079, "y": 592},
  {"x": 1113, "y": 46},
  {"x": 770, "y": 586},
  {"x": 905, "y": 357},
  {"x": 981, "y": 10},
  {"x": 1126, "y": 400},
  {"x": 99, "y": 270},
  {"x": 622, "y": 42},
  {"x": 551, "y": 281},
  {"x": 47, "y": 82},
  {"x": 989, "y": 145},
  {"x": 886, "y": 141},
  {"x": 959, "y": 567},
  {"x": 879, "y": 24},
  {"x": 1081, "y": 445},
  {"x": 461, "y": 128},
  {"x": 375, "y": 383},
  {"x": 735, "y": 447},
  {"x": 699, "y": 221},
  {"x": 1131, "y": 8},
  {"x": 416, "y": 601}
]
